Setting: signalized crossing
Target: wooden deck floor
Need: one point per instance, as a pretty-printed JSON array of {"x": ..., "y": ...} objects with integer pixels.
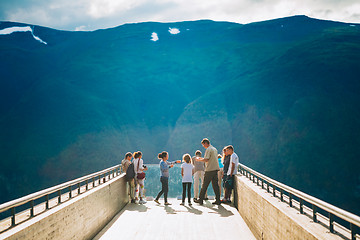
[{"x": 153, "y": 221}]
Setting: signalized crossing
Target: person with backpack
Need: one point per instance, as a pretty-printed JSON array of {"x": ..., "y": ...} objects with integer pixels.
[
  {"x": 139, "y": 176},
  {"x": 128, "y": 168}
]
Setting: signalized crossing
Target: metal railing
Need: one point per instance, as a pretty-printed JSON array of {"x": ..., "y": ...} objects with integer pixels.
[
  {"x": 316, "y": 204},
  {"x": 71, "y": 189}
]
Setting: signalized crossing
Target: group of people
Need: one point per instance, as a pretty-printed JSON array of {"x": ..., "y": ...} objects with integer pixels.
[
  {"x": 136, "y": 181},
  {"x": 217, "y": 169}
]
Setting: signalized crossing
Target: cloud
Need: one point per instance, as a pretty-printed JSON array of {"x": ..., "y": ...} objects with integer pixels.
[
  {"x": 95, "y": 14},
  {"x": 81, "y": 28},
  {"x": 107, "y": 8}
]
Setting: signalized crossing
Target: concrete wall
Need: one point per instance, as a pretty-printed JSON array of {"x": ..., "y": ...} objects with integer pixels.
[
  {"x": 79, "y": 218},
  {"x": 269, "y": 218}
]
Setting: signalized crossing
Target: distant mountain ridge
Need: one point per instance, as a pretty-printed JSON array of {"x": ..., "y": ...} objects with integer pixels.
[{"x": 284, "y": 92}]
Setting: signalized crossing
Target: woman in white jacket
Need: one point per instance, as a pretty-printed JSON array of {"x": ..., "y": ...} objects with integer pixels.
[{"x": 139, "y": 176}]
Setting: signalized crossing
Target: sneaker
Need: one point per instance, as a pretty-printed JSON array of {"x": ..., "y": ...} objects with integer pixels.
[
  {"x": 182, "y": 204},
  {"x": 216, "y": 203},
  {"x": 190, "y": 204},
  {"x": 142, "y": 201},
  {"x": 132, "y": 200},
  {"x": 223, "y": 201},
  {"x": 199, "y": 202},
  {"x": 167, "y": 203},
  {"x": 157, "y": 201},
  {"x": 195, "y": 199},
  {"x": 206, "y": 198}
]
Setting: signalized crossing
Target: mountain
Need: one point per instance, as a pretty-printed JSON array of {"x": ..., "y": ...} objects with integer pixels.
[{"x": 284, "y": 92}]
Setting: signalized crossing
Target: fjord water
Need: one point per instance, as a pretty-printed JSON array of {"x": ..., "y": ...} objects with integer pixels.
[{"x": 284, "y": 92}]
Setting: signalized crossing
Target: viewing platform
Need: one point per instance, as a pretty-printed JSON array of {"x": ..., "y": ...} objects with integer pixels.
[
  {"x": 97, "y": 207},
  {"x": 154, "y": 221}
]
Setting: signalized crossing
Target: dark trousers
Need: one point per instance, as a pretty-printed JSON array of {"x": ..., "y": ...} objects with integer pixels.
[
  {"x": 164, "y": 188},
  {"x": 210, "y": 176},
  {"x": 188, "y": 185}
]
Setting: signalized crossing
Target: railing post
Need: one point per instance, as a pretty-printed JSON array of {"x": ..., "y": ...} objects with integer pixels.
[
  {"x": 93, "y": 182},
  {"x": 99, "y": 179},
  {"x": 59, "y": 196},
  {"x": 70, "y": 192},
  {"x": 274, "y": 190},
  {"x": 257, "y": 181},
  {"x": 290, "y": 199},
  {"x": 87, "y": 184},
  {"x": 314, "y": 213},
  {"x": 301, "y": 206},
  {"x": 353, "y": 231},
  {"x": 79, "y": 189},
  {"x": 268, "y": 187},
  {"x": 47, "y": 202},
  {"x": 262, "y": 183},
  {"x": 13, "y": 216},
  {"x": 31, "y": 208},
  {"x": 331, "y": 223},
  {"x": 282, "y": 195}
]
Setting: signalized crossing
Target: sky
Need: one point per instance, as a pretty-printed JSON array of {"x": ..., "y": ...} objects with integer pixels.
[{"x": 86, "y": 15}]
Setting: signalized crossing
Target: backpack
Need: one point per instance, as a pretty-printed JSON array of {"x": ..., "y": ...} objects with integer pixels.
[{"x": 130, "y": 172}]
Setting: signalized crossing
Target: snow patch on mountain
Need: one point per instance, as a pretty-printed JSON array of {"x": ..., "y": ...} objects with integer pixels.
[{"x": 7, "y": 31}]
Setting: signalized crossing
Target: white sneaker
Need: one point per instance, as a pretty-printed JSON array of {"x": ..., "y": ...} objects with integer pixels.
[{"x": 142, "y": 201}]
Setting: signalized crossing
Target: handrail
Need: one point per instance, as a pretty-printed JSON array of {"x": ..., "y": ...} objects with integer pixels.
[
  {"x": 331, "y": 209},
  {"x": 67, "y": 185},
  {"x": 48, "y": 191}
]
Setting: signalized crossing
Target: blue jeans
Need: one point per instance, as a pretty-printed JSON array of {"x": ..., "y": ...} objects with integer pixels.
[{"x": 164, "y": 188}]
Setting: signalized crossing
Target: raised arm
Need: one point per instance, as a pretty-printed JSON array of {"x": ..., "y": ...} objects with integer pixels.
[{"x": 200, "y": 159}]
